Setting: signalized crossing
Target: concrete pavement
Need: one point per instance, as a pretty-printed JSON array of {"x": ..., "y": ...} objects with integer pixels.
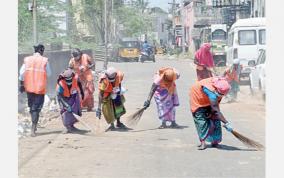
[{"x": 147, "y": 151}]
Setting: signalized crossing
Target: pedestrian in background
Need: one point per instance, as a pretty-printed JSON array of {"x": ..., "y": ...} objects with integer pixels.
[
  {"x": 205, "y": 96},
  {"x": 232, "y": 74},
  {"x": 111, "y": 98},
  {"x": 82, "y": 64},
  {"x": 204, "y": 62},
  {"x": 68, "y": 91},
  {"x": 33, "y": 80},
  {"x": 165, "y": 95}
]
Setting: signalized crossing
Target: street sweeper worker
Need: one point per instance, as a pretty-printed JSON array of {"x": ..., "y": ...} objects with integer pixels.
[
  {"x": 33, "y": 80},
  {"x": 204, "y": 62},
  {"x": 82, "y": 64},
  {"x": 111, "y": 98},
  {"x": 232, "y": 74},
  {"x": 205, "y": 96},
  {"x": 165, "y": 95},
  {"x": 69, "y": 90}
]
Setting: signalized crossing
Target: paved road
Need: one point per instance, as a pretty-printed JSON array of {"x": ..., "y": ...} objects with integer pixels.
[{"x": 147, "y": 151}]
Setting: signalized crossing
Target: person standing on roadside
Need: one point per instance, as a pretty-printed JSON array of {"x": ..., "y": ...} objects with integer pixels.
[
  {"x": 232, "y": 74},
  {"x": 204, "y": 62},
  {"x": 33, "y": 81}
]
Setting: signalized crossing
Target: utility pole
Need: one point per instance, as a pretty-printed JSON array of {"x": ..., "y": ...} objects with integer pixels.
[
  {"x": 112, "y": 21},
  {"x": 106, "y": 51},
  {"x": 182, "y": 26},
  {"x": 34, "y": 22},
  {"x": 173, "y": 17}
]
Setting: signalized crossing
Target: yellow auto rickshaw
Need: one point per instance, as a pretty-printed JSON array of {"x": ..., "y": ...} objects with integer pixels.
[{"x": 129, "y": 49}]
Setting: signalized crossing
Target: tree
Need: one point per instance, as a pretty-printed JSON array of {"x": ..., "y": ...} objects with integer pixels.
[
  {"x": 134, "y": 21},
  {"x": 141, "y": 5},
  {"x": 48, "y": 20}
]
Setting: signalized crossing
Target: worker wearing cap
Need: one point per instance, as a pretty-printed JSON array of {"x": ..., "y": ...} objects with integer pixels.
[
  {"x": 111, "y": 99},
  {"x": 69, "y": 90}
]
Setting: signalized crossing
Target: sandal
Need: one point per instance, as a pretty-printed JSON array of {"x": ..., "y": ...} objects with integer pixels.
[{"x": 162, "y": 126}]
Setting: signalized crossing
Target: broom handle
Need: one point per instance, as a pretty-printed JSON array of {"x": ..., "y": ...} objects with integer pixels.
[{"x": 82, "y": 122}]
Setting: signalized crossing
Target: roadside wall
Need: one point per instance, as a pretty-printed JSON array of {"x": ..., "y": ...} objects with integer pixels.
[{"x": 58, "y": 61}]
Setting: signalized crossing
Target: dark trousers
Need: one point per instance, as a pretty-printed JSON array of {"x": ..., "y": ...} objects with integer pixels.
[{"x": 35, "y": 103}]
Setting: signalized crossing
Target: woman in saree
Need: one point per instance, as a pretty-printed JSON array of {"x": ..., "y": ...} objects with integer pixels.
[
  {"x": 165, "y": 94},
  {"x": 204, "y": 62},
  {"x": 69, "y": 90},
  {"x": 111, "y": 98},
  {"x": 205, "y": 96},
  {"x": 82, "y": 64}
]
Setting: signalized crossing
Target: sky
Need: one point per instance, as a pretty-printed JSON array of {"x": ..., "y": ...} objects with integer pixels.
[{"x": 161, "y": 3}]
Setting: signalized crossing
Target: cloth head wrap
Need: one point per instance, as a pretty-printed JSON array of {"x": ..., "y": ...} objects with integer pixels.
[{"x": 221, "y": 84}]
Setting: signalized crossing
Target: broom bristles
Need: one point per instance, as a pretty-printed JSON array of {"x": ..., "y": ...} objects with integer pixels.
[
  {"x": 247, "y": 141},
  {"x": 134, "y": 118}
]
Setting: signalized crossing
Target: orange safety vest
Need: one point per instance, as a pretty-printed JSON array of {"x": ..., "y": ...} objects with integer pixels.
[
  {"x": 198, "y": 98},
  {"x": 35, "y": 74},
  {"x": 106, "y": 86},
  {"x": 86, "y": 75},
  {"x": 231, "y": 75},
  {"x": 66, "y": 92}
]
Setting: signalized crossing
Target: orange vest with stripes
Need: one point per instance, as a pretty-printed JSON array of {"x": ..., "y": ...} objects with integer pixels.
[
  {"x": 106, "y": 86},
  {"x": 198, "y": 98},
  {"x": 66, "y": 92},
  {"x": 35, "y": 74}
]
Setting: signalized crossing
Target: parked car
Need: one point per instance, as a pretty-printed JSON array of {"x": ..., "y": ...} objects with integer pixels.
[
  {"x": 257, "y": 75},
  {"x": 245, "y": 38}
]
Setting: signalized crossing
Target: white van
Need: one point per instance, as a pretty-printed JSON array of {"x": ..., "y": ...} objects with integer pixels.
[{"x": 245, "y": 39}]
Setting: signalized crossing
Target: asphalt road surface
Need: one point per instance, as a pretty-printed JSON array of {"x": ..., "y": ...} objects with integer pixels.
[{"x": 145, "y": 151}]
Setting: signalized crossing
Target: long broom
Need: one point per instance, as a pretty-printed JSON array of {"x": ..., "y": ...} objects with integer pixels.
[
  {"x": 134, "y": 118},
  {"x": 247, "y": 141}
]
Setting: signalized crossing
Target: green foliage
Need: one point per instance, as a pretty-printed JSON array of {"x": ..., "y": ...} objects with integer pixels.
[
  {"x": 93, "y": 16},
  {"x": 50, "y": 15},
  {"x": 24, "y": 26},
  {"x": 134, "y": 22},
  {"x": 48, "y": 20}
]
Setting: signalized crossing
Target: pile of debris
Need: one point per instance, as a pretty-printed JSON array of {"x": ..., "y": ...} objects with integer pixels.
[{"x": 49, "y": 111}]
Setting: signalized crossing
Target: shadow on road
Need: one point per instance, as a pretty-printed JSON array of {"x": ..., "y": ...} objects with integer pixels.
[
  {"x": 144, "y": 130},
  {"x": 48, "y": 133},
  {"x": 232, "y": 148},
  {"x": 180, "y": 127},
  {"x": 119, "y": 129},
  {"x": 81, "y": 132}
]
